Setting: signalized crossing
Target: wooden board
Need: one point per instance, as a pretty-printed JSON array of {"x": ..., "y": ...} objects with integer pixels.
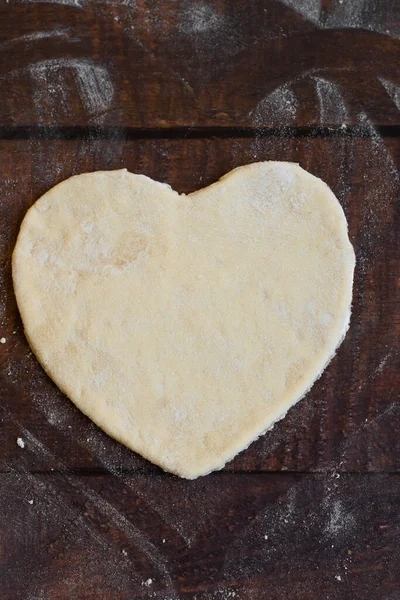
[
  {"x": 183, "y": 92},
  {"x": 344, "y": 421},
  {"x": 225, "y": 536},
  {"x": 158, "y": 64}
]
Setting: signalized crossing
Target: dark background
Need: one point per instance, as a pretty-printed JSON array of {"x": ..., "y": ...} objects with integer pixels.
[{"x": 183, "y": 91}]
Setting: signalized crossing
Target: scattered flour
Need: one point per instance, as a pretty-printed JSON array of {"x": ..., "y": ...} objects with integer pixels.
[
  {"x": 37, "y": 35},
  {"x": 339, "y": 520},
  {"x": 278, "y": 108},
  {"x": 393, "y": 90},
  {"x": 200, "y": 18},
  {"x": 383, "y": 362},
  {"x": 331, "y": 102},
  {"x": 76, "y": 3},
  {"x": 309, "y": 9},
  {"x": 378, "y": 197},
  {"x": 98, "y": 504},
  {"x": 93, "y": 82},
  {"x": 360, "y": 14},
  {"x": 218, "y": 594},
  {"x": 345, "y": 14}
]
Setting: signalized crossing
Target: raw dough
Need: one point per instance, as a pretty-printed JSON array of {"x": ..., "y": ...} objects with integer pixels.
[{"x": 185, "y": 326}]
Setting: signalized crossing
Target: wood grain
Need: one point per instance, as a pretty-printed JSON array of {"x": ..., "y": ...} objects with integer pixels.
[
  {"x": 166, "y": 63},
  {"x": 348, "y": 422},
  {"x": 224, "y": 536},
  {"x": 183, "y": 92}
]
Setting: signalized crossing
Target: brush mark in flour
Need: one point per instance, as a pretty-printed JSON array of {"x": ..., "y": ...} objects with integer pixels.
[
  {"x": 332, "y": 108},
  {"x": 61, "y": 415},
  {"x": 344, "y": 14},
  {"x": 93, "y": 81},
  {"x": 309, "y": 9},
  {"x": 313, "y": 508},
  {"x": 50, "y": 92},
  {"x": 52, "y": 507},
  {"x": 140, "y": 541},
  {"x": 382, "y": 364},
  {"x": 38, "y": 35},
  {"x": 201, "y": 18},
  {"x": 393, "y": 90},
  {"x": 377, "y": 198},
  {"x": 278, "y": 106}
]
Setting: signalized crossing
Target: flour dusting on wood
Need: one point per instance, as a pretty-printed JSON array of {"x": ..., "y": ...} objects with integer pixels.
[
  {"x": 392, "y": 89},
  {"x": 278, "y": 108},
  {"x": 331, "y": 102},
  {"x": 344, "y": 14},
  {"x": 92, "y": 80}
]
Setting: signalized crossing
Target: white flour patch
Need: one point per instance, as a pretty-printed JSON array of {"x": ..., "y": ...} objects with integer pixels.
[
  {"x": 76, "y": 3},
  {"x": 309, "y": 9},
  {"x": 213, "y": 37},
  {"x": 339, "y": 520},
  {"x": 392, "y": 89},
  {"x": 332, "y": 109},
  {"x": 200, "y": 18},
  {"x": 219, "y": 594},
  {"x": 38, "y": 35},
  {"x": 383, "y": 362},
  {"x": 345, "y": 14},
  {"x": 51, "y": 83},
  {"x": 20, "y": 442},
  {"x": 93, "y": 82},
  {"x": 359, "y": 14},
  {"x": 278, "y": 108}
]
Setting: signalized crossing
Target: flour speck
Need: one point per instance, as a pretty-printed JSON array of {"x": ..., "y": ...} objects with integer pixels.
[
  {"x": 392, "y": 89},
  {"x": 277, "y": 108},
  {"x": 20, "y": 442},
  {"x": 201, "y": 18}
]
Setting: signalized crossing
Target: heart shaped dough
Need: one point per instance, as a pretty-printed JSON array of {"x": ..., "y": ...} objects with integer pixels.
[{"x": 185, "y": 326}]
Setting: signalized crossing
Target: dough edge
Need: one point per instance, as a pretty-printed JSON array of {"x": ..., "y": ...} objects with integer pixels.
[{"x": 191, "y": 474}]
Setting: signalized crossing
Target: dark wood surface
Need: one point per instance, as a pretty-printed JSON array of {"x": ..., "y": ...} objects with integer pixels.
[{"x": 184, "y": 92}]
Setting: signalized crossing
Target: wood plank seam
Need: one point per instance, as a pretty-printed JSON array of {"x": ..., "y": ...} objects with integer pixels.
[{"x": 60, "y": 132}]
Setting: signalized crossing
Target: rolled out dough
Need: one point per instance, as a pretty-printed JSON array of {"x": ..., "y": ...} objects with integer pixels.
[{"x": 185, "y": 325}]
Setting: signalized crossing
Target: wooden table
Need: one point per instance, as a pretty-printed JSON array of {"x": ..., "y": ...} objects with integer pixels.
[{"x": 184, "y": 91}]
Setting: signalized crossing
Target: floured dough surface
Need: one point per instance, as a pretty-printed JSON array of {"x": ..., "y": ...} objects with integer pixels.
[{"x": 185, "y": 326}]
